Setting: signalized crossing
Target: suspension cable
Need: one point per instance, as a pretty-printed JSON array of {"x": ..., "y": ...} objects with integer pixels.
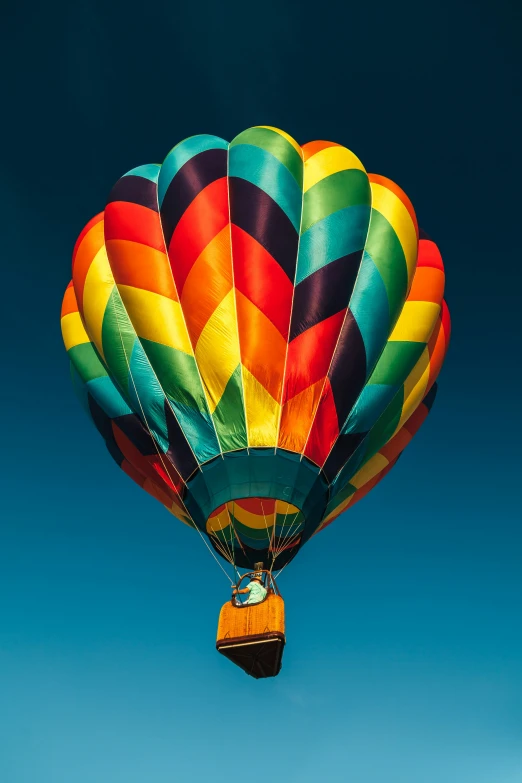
[
  {"x": 225, "y": 542},
  {"x": 232, "y": 526},
  {"x": 289, "y": 536},
  {"x": 269, "y": 535},
  {"x": 160, "y": 455},
  {"x": 276, "y": 548}
]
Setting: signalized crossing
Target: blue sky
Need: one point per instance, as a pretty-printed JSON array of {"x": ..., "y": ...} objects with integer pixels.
[{"x": 403, "y": 661}]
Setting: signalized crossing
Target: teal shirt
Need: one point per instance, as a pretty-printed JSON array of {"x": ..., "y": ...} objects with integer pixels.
[{"x": 257, "y": 593}]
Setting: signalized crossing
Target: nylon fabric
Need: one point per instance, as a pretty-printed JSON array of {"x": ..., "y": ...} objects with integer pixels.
[{"x": 256, "y": 329}]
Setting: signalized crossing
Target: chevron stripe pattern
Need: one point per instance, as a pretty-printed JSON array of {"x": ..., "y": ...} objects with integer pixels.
[{"x": 255, "y": 328}]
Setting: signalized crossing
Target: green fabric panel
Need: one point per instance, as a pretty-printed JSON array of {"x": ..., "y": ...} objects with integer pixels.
[
  {"x": 86, "y": 362},
  {"x": 345, "y": 493},
  {"x": 340, "y": 190},
  {"x": 380, "y": 434},
  {"x": 388, "y": 256},
  {"x": 260, "y": 473},
  {"x": 225, "y": 536},
  {"x": 396, "y": 362},
  {"x": 287, "y": 520},
  {"x": 258, "y": 534},
  {"x": 198, "y": 429},
  {"x": 277, "y": 145},
  {"x": 80, "y": 389},
  {"x": 178, "y": 375},
  {"x": 229, "y": 415},
  {"x": 117, "y": 329}
]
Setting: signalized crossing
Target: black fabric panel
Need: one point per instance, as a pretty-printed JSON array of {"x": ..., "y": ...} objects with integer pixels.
[
  {"x": 191, "y": 179},
  {"x": 102, "y": 422},
  {"x": 115, "y": 452},
  {"x": 246, "y": 556},
  {"x": 259, "y": 215},
  {"x": 179, "y": 453},
  {"x": 343, "y": 449},
  {"x": 430, "y": 397},
  {"x": 347, "y": 373},
  {"x": 132, "y": 427},
  {"x": 324, "y": 293},
  {"x": 136, "y": 190}
]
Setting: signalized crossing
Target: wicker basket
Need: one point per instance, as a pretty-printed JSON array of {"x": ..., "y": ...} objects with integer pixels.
[{"x": 266, "y": 617}]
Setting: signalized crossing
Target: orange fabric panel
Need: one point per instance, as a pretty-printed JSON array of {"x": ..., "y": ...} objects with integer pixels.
[{"x": 141, "y": 266}]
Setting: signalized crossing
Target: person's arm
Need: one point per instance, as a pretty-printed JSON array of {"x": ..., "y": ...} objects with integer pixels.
[{"x": 241, "y": 592}]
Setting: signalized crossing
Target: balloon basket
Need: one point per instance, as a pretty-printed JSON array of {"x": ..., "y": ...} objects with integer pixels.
[{"x": 253, "y": 637}]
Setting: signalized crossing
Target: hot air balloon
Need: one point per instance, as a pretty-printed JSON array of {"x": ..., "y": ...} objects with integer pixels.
[{"x": 255, "y": 329}]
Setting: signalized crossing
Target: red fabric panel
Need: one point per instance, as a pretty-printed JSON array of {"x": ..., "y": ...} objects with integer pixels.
[
  {"x": 261, "y": 279},
  {"x": 325, "y": 428},
  {"x": 429, "y": 255},
  {"x": 206, "y": 216},
  {"x": 124, "y": 220},
  {"x": 309, "y": 355}
]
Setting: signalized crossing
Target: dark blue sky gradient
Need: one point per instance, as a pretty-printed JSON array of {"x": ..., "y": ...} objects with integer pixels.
[{"x": 403, "y": 662}]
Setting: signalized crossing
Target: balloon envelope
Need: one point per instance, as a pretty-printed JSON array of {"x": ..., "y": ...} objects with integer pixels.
[{"x": 255, "y": 328}]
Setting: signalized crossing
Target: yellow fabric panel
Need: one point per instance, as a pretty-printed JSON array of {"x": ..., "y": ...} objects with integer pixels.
[
  {"x": 180, "y": 512},
  {"x": 179, "y": 515},
  {"x": 219, "y": 338},
  {"x": 286, "y": 136},
  {"x": 99, "y": 285},
  {"x": 286, "y": 509},
  {"x": 416, "y": 322},
  {"x": 329, "y": 161},
  {"x": 73, "y": 331},
  {"x": 156, "y": 318},
  {"x": 262, "y": 412},
  {"x": 415, "y": 389},
  {"x": 422, "y": 365},
  {"x": 176, "y": 509},
  {"x": 392, "y": 208},
  {"x": 255, "y": 521},
  {"x": 91, "y": 244},
  {"x": 335, "y": 512},
  {"x": 374, "y": 466},
  {"x": 219, "y": 522}
]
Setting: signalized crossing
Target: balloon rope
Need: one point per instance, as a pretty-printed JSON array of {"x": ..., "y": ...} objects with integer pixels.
[
  {"x": 224, "y": 554},
  {"x": 160, "y": 455},
  {"x": 294, "y": 286},
  {"x": 220, "y": 547},
  {"x": 269, "y": 536},
  {"x": 282, "y": 569},
  {"x": 276, "y": 547},
  {"x": 290, "y": 542},
  {"x": 236, "y": 537},
  {"x": 280, "y": 544},
  {"x": 288, "y": 536},
  {"x": 225, "y": 542},
  {"x": 285, "y": 565},
  {"x": 232, "y": 517},
  {"x": 234, "y": 529}
]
